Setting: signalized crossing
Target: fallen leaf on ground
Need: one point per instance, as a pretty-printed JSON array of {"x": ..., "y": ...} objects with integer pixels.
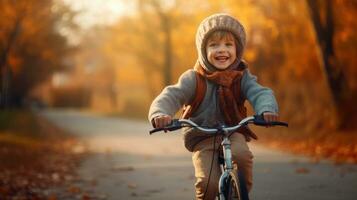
[
  {"x": 302, "y": 170},
  {"x": 154, "y": 191},
  {"x": 74, "y": 189},
  {"x": 132, "y": 185},
  {"x": 122, "y": 168}
]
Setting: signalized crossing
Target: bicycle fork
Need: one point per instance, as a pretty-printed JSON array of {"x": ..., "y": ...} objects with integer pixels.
[{"x": 228, "y": 166}]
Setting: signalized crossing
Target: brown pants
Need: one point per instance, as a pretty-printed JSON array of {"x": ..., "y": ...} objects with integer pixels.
[{"x": 202, "y": 158}]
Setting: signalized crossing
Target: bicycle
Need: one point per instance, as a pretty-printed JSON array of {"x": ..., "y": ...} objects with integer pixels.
[{"x": 231, "y": 184}]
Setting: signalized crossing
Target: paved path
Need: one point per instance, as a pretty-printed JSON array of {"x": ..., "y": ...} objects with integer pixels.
[{"x": 129, "y": 164}]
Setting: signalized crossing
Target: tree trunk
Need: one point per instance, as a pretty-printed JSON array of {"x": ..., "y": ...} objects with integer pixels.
[
  {"x": 150, "y": 65},
  {"x": 166, "y": 27},
  {"x": 5, "y": 68},
  {"x": 167, "y": 50},
  {"x": 322, "y": 18}
]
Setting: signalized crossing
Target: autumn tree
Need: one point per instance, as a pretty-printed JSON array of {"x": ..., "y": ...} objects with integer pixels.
[
  {"x": 281, "y": 49},
  {"x": 157, "y": 9},
  {"x": 324, "y": 17},
  {"x": 166, "y": 26},
  {"x": 31, "y": 47},
  {"x": 96, "y": 61},
  {"x": 147, "y": 36},
  {"x": 13, "y": 16}
]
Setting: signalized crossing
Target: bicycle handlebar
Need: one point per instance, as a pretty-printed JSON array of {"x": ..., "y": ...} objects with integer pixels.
[
  {"x": 180, "y": 123},
  {"x": 259, "y": 121}
]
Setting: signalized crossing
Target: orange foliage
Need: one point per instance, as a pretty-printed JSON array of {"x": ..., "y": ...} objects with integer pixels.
[
  {"x": 36, "y": 157},
  {"x": 339, "y": 147},
  {"x": 282, "y": 51},
  {"x": 30, "y": 46}
]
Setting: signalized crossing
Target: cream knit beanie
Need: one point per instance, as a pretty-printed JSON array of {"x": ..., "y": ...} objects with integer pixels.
[{"x": 213, "y": 23}]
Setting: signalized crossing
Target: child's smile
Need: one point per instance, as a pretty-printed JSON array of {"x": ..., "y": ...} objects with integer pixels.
[
  {"x": 221, "y": 52},
  {"x": 221, "y": 58}
]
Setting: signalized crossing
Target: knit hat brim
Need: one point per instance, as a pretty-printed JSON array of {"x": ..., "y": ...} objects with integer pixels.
[{"x": 223, "y": 22}]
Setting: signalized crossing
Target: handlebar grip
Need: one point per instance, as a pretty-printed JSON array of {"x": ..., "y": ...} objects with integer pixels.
[
  {"x": 259, "y": 121},
  {"x": 277, "y": 123},
  {"x": 175, "y": 126},
  {"x": 156, "y": 130}
]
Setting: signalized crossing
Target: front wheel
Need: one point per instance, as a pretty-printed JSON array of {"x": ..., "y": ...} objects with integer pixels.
[{"x": 234, "y": 187}]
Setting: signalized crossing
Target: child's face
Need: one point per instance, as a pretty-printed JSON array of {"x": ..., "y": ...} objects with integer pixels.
[{"x": 221, "y": 51}]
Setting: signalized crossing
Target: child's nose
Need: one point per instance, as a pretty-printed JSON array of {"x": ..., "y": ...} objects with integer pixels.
[{"x": 222, "y": 48}]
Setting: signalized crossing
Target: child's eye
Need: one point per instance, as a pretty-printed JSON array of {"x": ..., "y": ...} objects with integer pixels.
[
  {"x": 229, "y": 44},
  {"x": 212, "y": 44}
]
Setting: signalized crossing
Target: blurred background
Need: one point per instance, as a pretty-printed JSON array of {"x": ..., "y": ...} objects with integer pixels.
[
  {"x": 115, "y": 56},
  {"x": 111, "y": 58}
]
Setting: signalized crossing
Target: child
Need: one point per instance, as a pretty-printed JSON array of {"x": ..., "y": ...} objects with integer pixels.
[{"x": 220, "y": 41}]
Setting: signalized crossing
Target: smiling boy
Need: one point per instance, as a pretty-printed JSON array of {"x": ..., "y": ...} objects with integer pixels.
[
  {"x": 220, "y": 42},
  {"x": 221, "y": 49}
]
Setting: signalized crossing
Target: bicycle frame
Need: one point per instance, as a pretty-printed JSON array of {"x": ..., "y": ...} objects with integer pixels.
[
  {"x": 227, "y": 152},
  {"x": 226, "y": 144},
  {"x": 228, "y": 164}
]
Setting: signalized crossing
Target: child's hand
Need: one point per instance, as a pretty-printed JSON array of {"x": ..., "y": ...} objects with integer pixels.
[
  {"x": 270, "y": 116},
  {"x": 162, "y": 121}
]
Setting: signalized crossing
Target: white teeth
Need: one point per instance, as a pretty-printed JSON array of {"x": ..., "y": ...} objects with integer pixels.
[{"x": 222, "y": 58}]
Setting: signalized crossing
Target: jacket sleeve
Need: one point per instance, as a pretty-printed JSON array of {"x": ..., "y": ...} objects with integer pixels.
[
  {"x": 261, "y": 98},
  {"x": 173, "y": 97}
]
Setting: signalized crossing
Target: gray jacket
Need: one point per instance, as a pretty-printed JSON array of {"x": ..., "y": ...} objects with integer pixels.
[{"x": 173, "y": 97}]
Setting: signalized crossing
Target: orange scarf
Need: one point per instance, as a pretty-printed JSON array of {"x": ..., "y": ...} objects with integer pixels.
[{"x": 225, "y": 79}]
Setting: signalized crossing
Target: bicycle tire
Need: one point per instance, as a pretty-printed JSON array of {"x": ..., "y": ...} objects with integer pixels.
[
  {"x": 235, "y": 187},
  {"x": 243, "y": 186}
]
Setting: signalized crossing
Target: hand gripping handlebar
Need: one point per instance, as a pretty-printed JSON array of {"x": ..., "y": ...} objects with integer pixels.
[{"x": 256, "y": 120}]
